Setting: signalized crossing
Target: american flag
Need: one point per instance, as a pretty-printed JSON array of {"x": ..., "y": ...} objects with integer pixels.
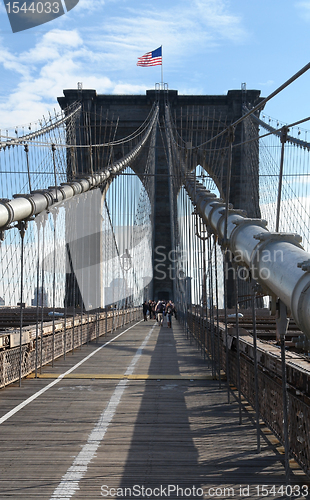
[{"x": 151, "y": 58}]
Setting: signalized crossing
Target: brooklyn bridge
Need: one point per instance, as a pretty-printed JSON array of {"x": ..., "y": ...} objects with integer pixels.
[{"x": 114, "y": 209}]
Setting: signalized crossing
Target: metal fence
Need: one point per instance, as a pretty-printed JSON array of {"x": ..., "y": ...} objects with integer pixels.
[
  {"x": 269, "y": 383},
  {"x": 69, "y": 334}
]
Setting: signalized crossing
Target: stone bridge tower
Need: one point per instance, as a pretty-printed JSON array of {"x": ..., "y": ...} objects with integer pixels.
[{"x": 128, "y": 112}]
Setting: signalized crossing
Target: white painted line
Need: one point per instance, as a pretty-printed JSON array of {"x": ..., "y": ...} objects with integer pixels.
[
  {"x": 58, "y": 379},
  {"x": 70, "y": 481}
]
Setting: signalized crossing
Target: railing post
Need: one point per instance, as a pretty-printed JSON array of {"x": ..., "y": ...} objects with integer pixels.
[
  {"x": 282, "y": 323},
  {"x": 254, "y": 287}
]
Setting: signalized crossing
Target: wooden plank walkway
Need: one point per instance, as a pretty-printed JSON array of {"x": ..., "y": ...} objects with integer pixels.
[{"x": 139, "y": 415}]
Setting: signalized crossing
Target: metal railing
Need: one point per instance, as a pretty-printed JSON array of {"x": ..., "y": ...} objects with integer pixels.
[
  {"x": 269, "y": 383},
  {"x": 70, "y": 334}
]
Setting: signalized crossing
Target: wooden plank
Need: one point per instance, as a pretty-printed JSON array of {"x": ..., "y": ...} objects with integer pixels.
[{"x": 172, "y": 425}]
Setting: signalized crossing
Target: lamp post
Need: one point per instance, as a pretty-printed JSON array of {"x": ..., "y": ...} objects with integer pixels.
[{"x": 126, "y": 264}]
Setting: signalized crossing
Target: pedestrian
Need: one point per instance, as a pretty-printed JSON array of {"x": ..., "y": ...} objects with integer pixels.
[
  {"x": 145, "y": 307},
  {"x": 159, "y": 310},
  {"x": 152, "y": 309},
  {"x": 164, "y": 313},
  {"x": 169, "y": 311}
]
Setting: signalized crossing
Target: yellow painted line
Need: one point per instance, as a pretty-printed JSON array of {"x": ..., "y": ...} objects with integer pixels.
[{"x": 119, "y": 376}]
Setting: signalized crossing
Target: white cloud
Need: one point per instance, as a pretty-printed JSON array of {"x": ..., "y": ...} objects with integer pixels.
[
  {"x": 52, "y": 45},
  {"x": 103, "y": 51},
  {"x": 11, "y": 62},
  {"x": 267, "y": 84},
  {"x": 178, "y": 28},
  {"x": 89, "y": 6},
  {"x": 127, "y": 88},
  {"x": 214, "y": 14},
  {"x": 304, "y": 9}
]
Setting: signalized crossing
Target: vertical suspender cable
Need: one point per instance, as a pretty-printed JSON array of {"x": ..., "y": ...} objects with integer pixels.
[
  {"x": 238, "y": 346},
  {"x": 88, "y": 264},
  {"x": 228, "y": 179},
  {"x": 54, "y": 284},
  {"x": 204, "y": 294},
  {"x": 74, "y": 299},
  {"x": 217, "y": 313},
  {"x": 188, "y": 263},
  {"x": 212, "y": 311},
  {"x": 54, "y": 164},
  {"x": 284, "y": 132},
  {"x": 22, "y": 228},
  {"x": 42, "y": 291},
  {"x": 199, "y": 290},
  {"x": 37, "y": 298},
  {"x": 65, "y": 323},
  {"x": 26, "y": 148},
  {"x": 83, "y": 270}
]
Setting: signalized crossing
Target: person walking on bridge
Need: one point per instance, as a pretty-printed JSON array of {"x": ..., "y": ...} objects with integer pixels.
[
  {"x": 145, "y": 307},
  {"x": 152, "y": 305},
  {"x": 160, "y": 310},
  {"x": 169, "y": 311}
]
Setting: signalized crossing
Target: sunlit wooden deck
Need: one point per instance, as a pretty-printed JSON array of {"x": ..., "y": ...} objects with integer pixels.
[{"x": 140, "y": 417}]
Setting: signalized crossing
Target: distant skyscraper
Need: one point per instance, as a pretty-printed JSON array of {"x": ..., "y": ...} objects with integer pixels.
[
  {"x": 117, "y": 291},
  {"x": 37, "y": 300}
]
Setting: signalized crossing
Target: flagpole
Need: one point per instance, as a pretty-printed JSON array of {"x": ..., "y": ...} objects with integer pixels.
[{"x": 162, "y": 70}]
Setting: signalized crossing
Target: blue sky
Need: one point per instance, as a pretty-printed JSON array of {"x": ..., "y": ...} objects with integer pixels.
[{"x": 209, "y": 47}]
